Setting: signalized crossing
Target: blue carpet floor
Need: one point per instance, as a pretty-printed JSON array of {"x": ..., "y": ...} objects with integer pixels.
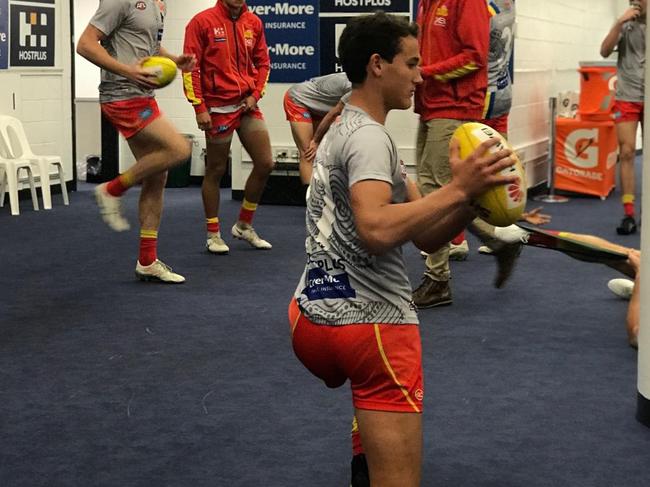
[{"x": 106, "y": 381}]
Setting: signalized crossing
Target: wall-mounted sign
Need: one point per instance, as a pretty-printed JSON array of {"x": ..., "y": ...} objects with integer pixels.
[
  {"x": 364, "y": 6},
  {"x": 32, "y": 34},
  {"x": 291, "y": 29},
  {"x": 4, "y": 34},
  {"x": 334, "y": 16}
]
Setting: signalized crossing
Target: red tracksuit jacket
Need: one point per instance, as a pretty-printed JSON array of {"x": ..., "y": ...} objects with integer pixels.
[
  {"x": 232, "y": 58},
  {"x": 454, "y": 44}
]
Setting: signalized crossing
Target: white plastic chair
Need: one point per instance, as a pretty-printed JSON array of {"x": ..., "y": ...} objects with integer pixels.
[
  {"x": 9, "y": 177},
  {"x": 13, "y": 133}
]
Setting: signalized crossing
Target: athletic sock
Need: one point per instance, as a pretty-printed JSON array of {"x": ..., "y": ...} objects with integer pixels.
[
  {"x": 628, "y": 204},
  {"x": 357, "y": 448},
  {"x": 459, "y": 239},
  {"x": 213, "y": 225},
  {"x": 119, "y": 185},
  {"x": 247, "y": 211},
  {"x": 148, "y": 247}
]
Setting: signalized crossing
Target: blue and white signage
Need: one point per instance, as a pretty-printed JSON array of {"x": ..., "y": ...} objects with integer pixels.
[
  {"x": 4, "y": 34},
  {"x": 364, "y": 6},
  {"x": 334, "y": 16},
  {"x": 291, "y": 29}
]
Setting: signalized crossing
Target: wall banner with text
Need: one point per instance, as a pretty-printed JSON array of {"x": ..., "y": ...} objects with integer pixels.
[{"x": 32, "y": 33}]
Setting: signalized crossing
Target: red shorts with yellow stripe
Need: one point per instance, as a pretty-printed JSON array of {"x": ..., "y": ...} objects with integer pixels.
[
  {"x": 130, "y": 116},
  {"x": 299, "y": 113},
  {"x": 382, "y": 361}
]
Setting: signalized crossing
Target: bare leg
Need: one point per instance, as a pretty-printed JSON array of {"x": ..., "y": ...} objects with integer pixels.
[
  {"x": 393, "y": 446},
  {"x": 302, "y": 133},
  {"x": 156, "y": 148},
  {"x": 217, "y": 163},
  {"x": 258, "y": 146},
  {"x": 626, "y": 132},
  {"x": 634, "y": 308},
  {"x": 151, "y": 201}
]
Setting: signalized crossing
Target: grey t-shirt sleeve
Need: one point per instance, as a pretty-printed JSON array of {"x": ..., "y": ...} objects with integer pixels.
[
  {"x": 368, "y": 154},
  {"x": 110, "y": 14}
]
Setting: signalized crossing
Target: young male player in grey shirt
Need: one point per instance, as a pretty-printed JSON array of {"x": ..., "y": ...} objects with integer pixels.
[
  {"x": 351, "y": 314},
  {"x": 628, "y": 34},
  {"x": 119, "y": 37}
]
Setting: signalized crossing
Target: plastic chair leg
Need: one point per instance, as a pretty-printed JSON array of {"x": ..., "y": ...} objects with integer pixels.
[
  {"x": 32, "y": 187},
  {"x": 12, "y": 186},
  {"x": 44, "y": 170},
  {"x": 64, "y": 187}
]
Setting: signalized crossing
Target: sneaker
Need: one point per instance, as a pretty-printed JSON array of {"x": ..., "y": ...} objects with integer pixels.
[
  {"x": 484, "y": 249},
  {"x": 109, "y": 207},
  {"x": 432, "y": 293},
  {"x": 248, "y": 233},
  {"x": 359, "y": 468},
  {"x": 216, "y": 245},
  {"x": 506, "y": 259},
  {"x": 623, "y": 288},
  {"x": 511, "y": 234},
  {"x": 627, "y": 226},
  {"x": 157, "y": 272},
  {"x": 459, "y": 252}
]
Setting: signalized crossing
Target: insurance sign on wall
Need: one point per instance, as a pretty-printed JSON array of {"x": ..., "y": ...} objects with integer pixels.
[
  {"x": 291, "y": 29},
  {"x": 4, "y": 34},
  {"x": 32, "y": 33}
]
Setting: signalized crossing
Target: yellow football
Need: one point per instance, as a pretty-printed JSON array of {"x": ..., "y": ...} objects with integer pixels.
[
  {"x": 502, "y": 205},
  {"x": 164, "y": 69}
]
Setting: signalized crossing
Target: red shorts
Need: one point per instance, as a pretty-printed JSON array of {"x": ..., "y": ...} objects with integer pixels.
[
  {"x": 299, "y": 113},
  {"x": 382, "y": 361},
  {"x": 224, "y": 124},
  {"x": 130, "y": 116},
  {"x": 628, "y": 111},
  {"x": 500, "y": 124}
]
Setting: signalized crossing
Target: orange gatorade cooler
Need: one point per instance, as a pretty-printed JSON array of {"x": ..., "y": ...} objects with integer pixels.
[
  {"x": 597, "y": 90},
  {"x": 585, "y": 156}
]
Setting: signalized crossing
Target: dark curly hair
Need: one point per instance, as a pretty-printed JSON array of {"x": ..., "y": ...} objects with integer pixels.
[{"x": 379, "y": 33}]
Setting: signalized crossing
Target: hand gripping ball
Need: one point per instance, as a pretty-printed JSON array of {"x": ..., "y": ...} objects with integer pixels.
[{"x": 502, "y": 205}]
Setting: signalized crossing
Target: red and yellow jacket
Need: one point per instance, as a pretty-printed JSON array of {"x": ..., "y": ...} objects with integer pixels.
[
  {"x": 454, "y": 44},
  {"x": 232, "y": 58}
]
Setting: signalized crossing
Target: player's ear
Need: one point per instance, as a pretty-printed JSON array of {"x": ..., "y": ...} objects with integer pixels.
[{"x": 375, "y": 64}]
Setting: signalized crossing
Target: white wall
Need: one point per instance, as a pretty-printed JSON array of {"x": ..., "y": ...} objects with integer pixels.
[
  {"x": 43, "y": 96},
  {"x": 553, "y": 36}
]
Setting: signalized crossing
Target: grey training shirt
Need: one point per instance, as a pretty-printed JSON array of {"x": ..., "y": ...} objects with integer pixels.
[
  {"x": 133, "y": 30},
  {"x": 321, "y": 94},
  {"x": 631, "y": 62},
  {"x": 342, "y": 283}
]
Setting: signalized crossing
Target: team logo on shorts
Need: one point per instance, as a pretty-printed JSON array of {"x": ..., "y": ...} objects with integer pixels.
[
  {"x": 222, "y": 128},
  {"x": 141, "y": 5},
  {"x": 146, "y": 113},
  {"x": 306, "y": 115}
]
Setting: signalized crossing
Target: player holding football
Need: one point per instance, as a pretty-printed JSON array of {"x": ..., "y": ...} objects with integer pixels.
[
  {"x": 352, "y": 316},
  {"x": 119, "y": 37}
]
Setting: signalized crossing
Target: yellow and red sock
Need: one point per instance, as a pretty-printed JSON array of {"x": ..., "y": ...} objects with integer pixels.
[
  {"x": 119, "y": 185},
  {"x": 459, "y": 239},
  {"x": 628, "y": 204},
  {"x": 247, "y": 211},
  {"x": 357, "y": 448},
  {"x": 148, "y": 247},
  {"x": 213, "y": 224}
]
